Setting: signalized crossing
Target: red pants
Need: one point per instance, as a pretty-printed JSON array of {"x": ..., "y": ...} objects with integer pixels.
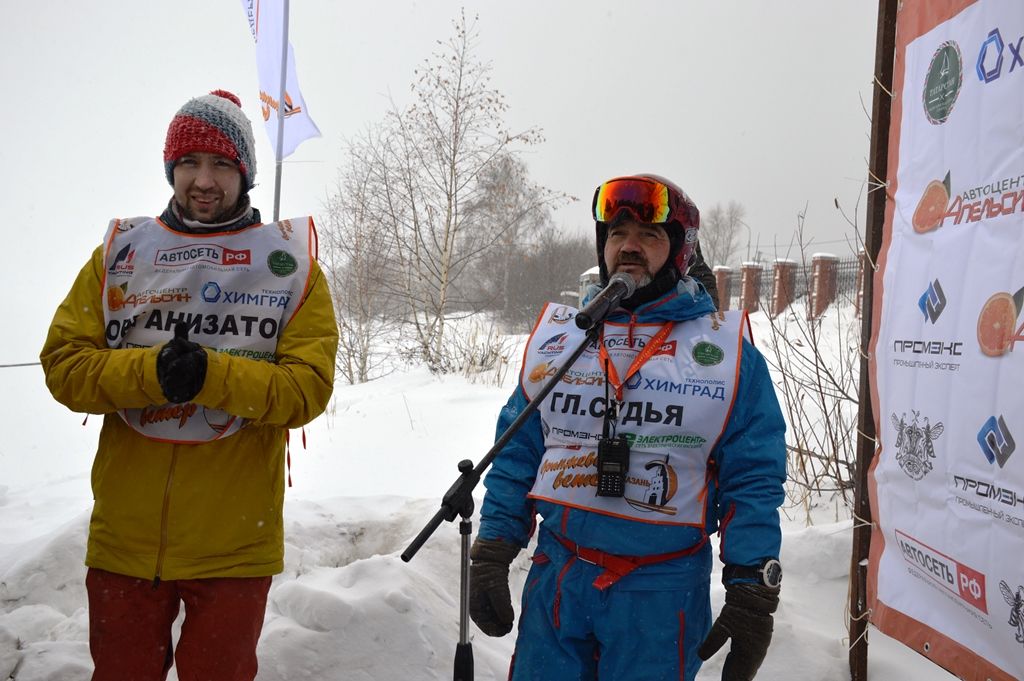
[{"x": 130, "y": 627}]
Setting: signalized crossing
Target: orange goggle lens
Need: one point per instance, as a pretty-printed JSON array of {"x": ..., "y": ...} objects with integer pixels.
[{"x": 645, "y": 199}]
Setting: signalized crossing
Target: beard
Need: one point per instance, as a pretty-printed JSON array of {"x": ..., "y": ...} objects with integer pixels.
[{"x": 643, "y": 279}]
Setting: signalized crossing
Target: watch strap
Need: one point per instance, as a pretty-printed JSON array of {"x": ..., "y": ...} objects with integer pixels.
[{"x": 752, "y": 573}]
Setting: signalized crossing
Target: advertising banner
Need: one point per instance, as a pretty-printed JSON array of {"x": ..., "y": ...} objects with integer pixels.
[{"x": 946, "y": 572}]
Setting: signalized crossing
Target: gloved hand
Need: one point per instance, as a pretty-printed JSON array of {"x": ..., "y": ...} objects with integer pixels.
[
  {"x": 746, "y": 617},
  {"x": 181, "y": 367},
  {"x": 490, "y": 602}
]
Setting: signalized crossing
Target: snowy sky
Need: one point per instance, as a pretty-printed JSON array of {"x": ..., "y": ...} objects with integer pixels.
[{"x": 760, "y": 102}]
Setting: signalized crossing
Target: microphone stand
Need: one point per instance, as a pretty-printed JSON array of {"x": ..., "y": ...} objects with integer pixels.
[{"x": 458, "y": 500}]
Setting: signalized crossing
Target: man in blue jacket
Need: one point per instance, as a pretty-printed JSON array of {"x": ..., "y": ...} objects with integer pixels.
[{"x": 663, "y": 432}]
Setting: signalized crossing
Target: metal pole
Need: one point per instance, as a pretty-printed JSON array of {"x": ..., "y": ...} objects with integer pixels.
[
  {"x": 280, "y": 114},
  {"x": 463, "y": 668},
  {"x": 877, "y": 182}
]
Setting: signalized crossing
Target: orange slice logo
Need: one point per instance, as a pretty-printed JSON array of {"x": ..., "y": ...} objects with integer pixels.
[
  {"x": 997, "y": 323},
  {"x": 115, "y": 298},
  {"x": 931, "y": 209}
]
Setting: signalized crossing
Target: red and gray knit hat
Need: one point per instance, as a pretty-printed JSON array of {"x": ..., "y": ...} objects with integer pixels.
[{"x": 215, "y": 124}]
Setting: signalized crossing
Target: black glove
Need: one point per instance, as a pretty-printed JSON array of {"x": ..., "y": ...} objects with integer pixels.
[
  {"x": 181, "y": 367},
  {"x": 490, "y": 602},
  {"x": 746, "y": 617}
]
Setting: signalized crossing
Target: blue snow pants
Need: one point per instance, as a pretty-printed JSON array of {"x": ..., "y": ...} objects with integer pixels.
[{"x": 645, "y": 627}]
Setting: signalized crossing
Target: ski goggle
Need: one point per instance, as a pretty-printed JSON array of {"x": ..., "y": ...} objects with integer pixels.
[{"x": 647, "y": 200}]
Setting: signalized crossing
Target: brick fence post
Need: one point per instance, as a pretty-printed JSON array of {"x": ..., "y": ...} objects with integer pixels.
[
  {"x": 750, "y": 286},
  {"x": 784, "y": 286},
  {"x": 823, "y": 283},
  {"x": 723, "y": 280}
]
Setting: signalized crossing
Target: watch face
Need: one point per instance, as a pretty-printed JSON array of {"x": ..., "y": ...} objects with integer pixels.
[{"x": 771, "y": 572}]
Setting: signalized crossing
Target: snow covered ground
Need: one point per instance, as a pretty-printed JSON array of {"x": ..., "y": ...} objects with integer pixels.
[{"x": 346, "y": 606}]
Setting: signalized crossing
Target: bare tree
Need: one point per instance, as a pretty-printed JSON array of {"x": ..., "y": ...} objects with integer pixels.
[
  {"x": 507, "y": 195},
  {"x": 552, "y": 265},
  {"x": 720, "y": 232},
  {"x": 439, "y": 169},
  {"x": 450, "y": 136},
  {"x": 816, "y": 366},
  {"x": 356, "y": 254}
]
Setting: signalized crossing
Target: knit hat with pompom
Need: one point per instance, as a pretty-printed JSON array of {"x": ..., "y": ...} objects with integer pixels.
[{"x": 215, "y": 124}]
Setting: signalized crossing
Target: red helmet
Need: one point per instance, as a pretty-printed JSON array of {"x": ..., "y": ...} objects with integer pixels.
[{"x": 649, "y": 199}]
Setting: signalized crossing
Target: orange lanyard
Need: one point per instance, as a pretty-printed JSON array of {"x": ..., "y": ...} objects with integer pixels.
[{"x": 638, "y": 361}]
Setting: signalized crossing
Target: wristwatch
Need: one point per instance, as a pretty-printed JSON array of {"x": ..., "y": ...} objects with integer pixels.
[{"x": 768, "y": 573}]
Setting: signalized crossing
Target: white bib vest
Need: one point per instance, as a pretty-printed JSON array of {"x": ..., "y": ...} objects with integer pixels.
[
  {"x": 235, "y": 291},
  {"x": 673, "y": 411}
]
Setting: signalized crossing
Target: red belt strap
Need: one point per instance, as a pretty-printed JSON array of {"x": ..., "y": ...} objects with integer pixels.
[{"x": 617, "y": 567}]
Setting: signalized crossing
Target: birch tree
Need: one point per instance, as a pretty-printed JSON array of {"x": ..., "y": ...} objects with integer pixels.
[
  {"x": 445, "y": 144},
  {"x": 433, "y": 174}
]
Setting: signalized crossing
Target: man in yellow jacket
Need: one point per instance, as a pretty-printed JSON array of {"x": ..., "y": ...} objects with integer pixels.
[{"x": 201, "y": 336}]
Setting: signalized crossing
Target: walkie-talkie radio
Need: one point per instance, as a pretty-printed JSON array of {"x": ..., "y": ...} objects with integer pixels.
[
  {"x": 612, "y": 450},
  {"x": 612, "y": 466}
]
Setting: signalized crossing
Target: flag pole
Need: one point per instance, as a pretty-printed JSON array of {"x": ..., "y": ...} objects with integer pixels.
[{"x": 280, "y": 114}]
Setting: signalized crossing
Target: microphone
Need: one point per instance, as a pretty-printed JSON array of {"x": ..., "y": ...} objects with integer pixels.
[{"x": 621, "y": 285}]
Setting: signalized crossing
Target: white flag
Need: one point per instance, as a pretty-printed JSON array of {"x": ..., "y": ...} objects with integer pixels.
[{"x": 266, "y": 21}]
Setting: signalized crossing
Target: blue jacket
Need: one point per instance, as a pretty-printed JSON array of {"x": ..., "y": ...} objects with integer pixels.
[{"x": 743, "y": 500}]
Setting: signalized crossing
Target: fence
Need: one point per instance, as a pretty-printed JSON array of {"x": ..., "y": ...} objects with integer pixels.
[{"x": 773, "y": 286}]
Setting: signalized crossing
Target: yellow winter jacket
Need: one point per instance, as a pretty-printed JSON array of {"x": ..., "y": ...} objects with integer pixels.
[{"x": 187, "y": 511}]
